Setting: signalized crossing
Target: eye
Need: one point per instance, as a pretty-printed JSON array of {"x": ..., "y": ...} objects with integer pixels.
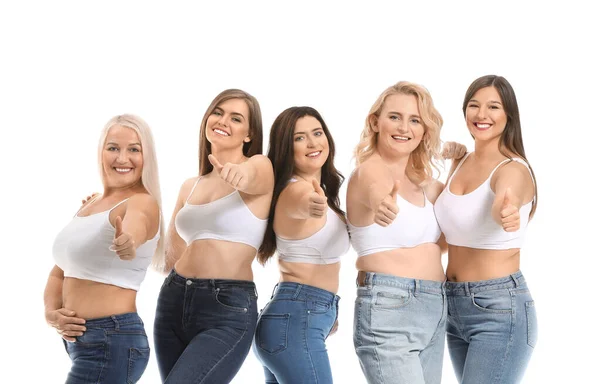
[
  {"x": 236, "y": 119},
  {"x": 319, "y": 133},
  {"x": 415, "y": 121},
  {"x": 494, "y": 107},
  {"x": 112, "y": 149},
  {"x": 217, "y": 112},
  {"x": 472, "y": 106},
  {"x": 298, "y": 138},
  {"x": 394, "y": 117},
  {"x": 133, "y": 149}
]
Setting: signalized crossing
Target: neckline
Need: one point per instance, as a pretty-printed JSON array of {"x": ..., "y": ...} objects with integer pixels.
[
  {"x": 214, "y": 201},
  {"x": 329, "y": 210},
  {"x": 414, "y": 205}
]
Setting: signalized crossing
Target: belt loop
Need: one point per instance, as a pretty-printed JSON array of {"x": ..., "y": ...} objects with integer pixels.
[
  {"x": 212, "y": 283},
  {"x": 515, "y": 280},
  {"x": 274, "y": 289},
  {"x": 298, "y": 290},
  {"x": 369, "y": 277},
  {"x": 417, "y": 286},
  {"x": 114, "y": 319},
  {"x": 467, "y": 290}
]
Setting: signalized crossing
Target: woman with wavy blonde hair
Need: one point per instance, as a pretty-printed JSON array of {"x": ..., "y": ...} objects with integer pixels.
[
  {"x": 101, "y": 260},
  {"x": 400, "y": 310}
]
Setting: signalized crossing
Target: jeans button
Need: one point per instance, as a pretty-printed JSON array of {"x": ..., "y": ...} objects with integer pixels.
[{"x": 189, "y": 282}]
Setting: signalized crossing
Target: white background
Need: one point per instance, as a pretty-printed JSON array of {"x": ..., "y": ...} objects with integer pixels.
[{"x": 67, "y": 67}]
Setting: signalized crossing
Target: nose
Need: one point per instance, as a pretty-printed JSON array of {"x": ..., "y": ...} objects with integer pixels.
[
  {"x": 310, "y": 142},
  {"x": 123, "y": 157},
  {"x": 222, "y": 120},
  {"x": 481, "y": 114},
  {"x": 403, "y": 126}
]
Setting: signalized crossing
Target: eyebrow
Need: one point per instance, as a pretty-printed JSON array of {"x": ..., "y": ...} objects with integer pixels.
[
  {"x": 231, "y": 113},
  {"x": 493, "y": 101},
  {"x": 398, "y": 113},
  {"x": 303, "y": 133},
  {"x": 113, "y": 143}
]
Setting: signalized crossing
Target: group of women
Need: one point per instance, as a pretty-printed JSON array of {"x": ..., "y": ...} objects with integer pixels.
[{"x": 400, "y": 220}]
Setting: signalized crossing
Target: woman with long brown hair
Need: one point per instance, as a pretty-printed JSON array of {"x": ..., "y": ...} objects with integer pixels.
[
  {"x": 307, "y": 228},
  {"x": 206, "y": 312},
  {"x": 483, "y": 211}
]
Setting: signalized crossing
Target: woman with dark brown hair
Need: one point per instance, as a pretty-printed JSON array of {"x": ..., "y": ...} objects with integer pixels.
[
  {"x": 206, "y": 312},
  {"x": 307, "y": 228},
  {"x": 483, "y": 211}
]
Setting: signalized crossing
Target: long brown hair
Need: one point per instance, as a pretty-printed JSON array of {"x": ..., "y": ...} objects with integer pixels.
[
  {"x": 281, "y": 154},
  {"x": 251, "y": 148},
  {"x": 511, "y": 138}
]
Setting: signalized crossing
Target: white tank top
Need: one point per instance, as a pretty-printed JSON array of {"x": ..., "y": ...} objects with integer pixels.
[
  {"x": 227, "y": 218},
  {"x": 413, "y": 226},
  {"x": 81, "y": 251},
  {"x": 326, "y": 246},
  {"x": 466, "y": 220}
]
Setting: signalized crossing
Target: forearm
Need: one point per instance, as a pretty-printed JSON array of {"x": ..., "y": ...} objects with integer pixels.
[{"x": 260, "y": 175}]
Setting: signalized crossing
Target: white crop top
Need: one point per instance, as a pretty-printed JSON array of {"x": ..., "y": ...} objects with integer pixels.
[
  {"x": 326, "y": 246},
  {"x": 413, "y": 226},
  {"x": 466, "y": 220},
  {"x": 82, "y": 251},
  {"x": 227, "y": 218}
]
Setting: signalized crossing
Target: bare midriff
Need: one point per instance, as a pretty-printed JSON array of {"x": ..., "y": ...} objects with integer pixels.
[
  {"x": 472, "y": 264},
  {"x": 423, "y": 262},
  {"x": 91, "y": 300},
  {"x": 217, "y": 259},
  {"x": 324, "y": 276}
]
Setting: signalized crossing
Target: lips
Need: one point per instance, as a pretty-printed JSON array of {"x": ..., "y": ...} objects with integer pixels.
[
  {"x": 313, "y": 154},
  {"x": 221, "y": 132},
  {"x": 122, "y": 170},
  {"x": 482, "y": 126},
  {"x": 400, "y": 138}
]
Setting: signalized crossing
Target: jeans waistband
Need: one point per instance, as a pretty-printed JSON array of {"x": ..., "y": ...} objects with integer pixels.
[
  {"x": 114, "y": 321},
  {"x": 465, "y": 288},
  {"x": 191, "y": 282},
  {"x": 369, "y": 279},
  {"x": 296, "y": 291}
]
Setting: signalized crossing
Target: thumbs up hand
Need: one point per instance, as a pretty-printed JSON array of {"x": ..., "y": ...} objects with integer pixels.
[
  {"x": 509, "y": 213},
  {"x": 123, "y": 243},
  {"x": 317, "y": 201},
  {"x": 235, "y": 175},
  {"x": 388, "y": 209}
]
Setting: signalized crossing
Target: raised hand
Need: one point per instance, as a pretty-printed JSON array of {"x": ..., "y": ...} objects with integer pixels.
[
  {"x": 235, "y": 175},
  {"x": 388, "y": 209},
  {"x": 317, "y": 201},
  {"x": 123, "y": 243},
  {"x": 83, "y": 201},
  {"x": 509, "y": 214},
  {"x": 453, "y": 150}
]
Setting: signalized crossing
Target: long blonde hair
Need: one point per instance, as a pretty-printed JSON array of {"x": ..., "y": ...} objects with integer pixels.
[
  {"x": 425, "y": 157},
  {"x": 149, "y": 171}
]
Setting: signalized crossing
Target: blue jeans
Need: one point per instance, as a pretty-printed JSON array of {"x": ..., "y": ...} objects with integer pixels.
[
  {"x": 203, "y": 328},
  {"x": 291, "y": 332},
  {"x": 112, "y": 350},
  {"x": 492, "y": 329},
  {"x": 399, "y": 329}
]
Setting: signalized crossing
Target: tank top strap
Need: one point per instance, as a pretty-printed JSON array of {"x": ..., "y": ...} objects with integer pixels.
[
  {"x": 116, "y": 205},
  {"x": 457, "y": 168},
  {"x": 87, "y": 204},
  {"x": 193, "y": 189}
]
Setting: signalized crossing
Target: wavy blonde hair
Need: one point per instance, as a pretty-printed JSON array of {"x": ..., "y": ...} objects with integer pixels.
[
  {"x": 424, "y": 159},
  {"x": 149, "y": 171}
]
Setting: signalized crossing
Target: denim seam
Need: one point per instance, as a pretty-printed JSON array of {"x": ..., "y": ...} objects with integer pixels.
[
  {"x": 375, "y": 353},
  {"x": 304, "y": 336},
  {"x": 230, "y": 350},
  {"x": 498, "y": 378}
]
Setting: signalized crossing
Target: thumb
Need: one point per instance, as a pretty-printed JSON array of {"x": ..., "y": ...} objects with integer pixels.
[
  {"x": 318, "y": 188},
  {"x": 118, "y": 227},
  {"x": 395, "y": 189},
  {"x": 215, "y": 163},
  {"x": 507, "y": 197}
]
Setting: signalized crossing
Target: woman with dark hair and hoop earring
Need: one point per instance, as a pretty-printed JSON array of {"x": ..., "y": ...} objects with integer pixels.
[
  {"x": 206, "y": 312},
  {"x": 489, "y": 198},
  {"x": 308, "y": 230}
]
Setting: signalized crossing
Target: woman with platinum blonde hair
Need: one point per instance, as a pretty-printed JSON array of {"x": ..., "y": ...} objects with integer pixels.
[
  {"x": 400, "y": 310},
  {"x": 102, "y": 256}
]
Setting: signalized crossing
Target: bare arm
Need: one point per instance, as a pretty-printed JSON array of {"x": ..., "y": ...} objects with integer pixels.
[
  {"x": 175, "y": 245},
  {"x": 62, "y": 319},
  {"x": 512, "y": 184},
  {"x": 303, "y": 200}
]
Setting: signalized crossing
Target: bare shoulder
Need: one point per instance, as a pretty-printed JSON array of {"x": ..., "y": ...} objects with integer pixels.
[
  {"x": 261, "y": 161},
  {"x": 513, "y": 171},
  {"x": 295, "y": 190},
  {"x": 373, "y": 170},
  {"x": 143, "y": 202},
  {"x": 433, "y": 188}
]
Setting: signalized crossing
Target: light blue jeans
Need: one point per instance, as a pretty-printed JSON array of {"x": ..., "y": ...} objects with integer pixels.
[
  {"x": 291, "y": 332},
  {"x": 492, "y": 329},
  {"x": 399, "y": 328}
]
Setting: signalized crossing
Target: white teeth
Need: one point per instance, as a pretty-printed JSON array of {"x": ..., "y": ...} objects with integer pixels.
[
  {"x": 401, "y": 138},
  {"x": 314, "y": 154},
  {"x": 482, "y": 125},
  {"x": 221, "y": 132},
  {"x": 123, "y": 170}
]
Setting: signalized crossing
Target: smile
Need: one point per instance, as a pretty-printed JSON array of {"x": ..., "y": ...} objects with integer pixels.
[
  {"x": 123, "y": 170},
  {"x": 400, "y": 138},
  {"x": 313, "y": 154},
  {"x": 220, "y": 132}
]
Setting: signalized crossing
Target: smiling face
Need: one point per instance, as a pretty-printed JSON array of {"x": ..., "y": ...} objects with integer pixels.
[
  {"x": 228, "y": 125},
  {"x": 485, "y": 114},
  {"x": 311, "y": 148},
  {"x": 122, "y": 159},
  {"x": 399, "y": 125}
]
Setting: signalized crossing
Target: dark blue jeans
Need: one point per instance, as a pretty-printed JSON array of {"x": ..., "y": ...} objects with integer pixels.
[
  {"x": 112, "y": 350},
  {"x": 291, "y": 332},
  {"x": 203, "y": 328}
]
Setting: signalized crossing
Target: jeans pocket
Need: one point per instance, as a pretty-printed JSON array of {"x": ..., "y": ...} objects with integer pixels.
[
  {"x": 493, "y": 301},
  {"x": 236, "y": 300},
  {"x": 272, "y": 331},
  {"x": 389, "y": 300},
  {"x": 532, "y": 329},
  {"x": 138, "y": 360}
]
